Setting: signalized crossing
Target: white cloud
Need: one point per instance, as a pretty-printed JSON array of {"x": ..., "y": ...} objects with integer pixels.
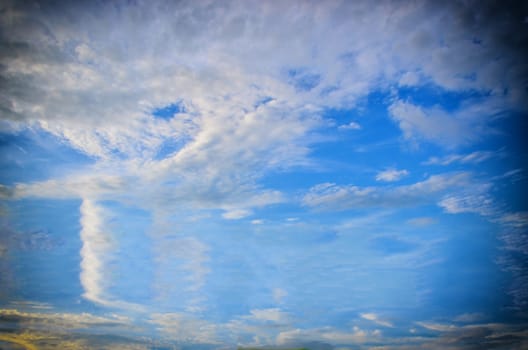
[
  {"x": 279, "y": 294},
  {"x": 236, "y": 214},
  {"x": 438, "y": 126},
  {"x": 518, "y": 219},
  {"x": 439, "y": 327},
  {"x": 97, "y": 254},
  {"x": 474, "y": 157},
  {"x": 98, "y": 85},
  {"x": 93, "y": 80},
  {"x": 96, "y": 244},
  {"x": 480, "y": 203},
  {"x": 350, "y": 126},
  {"x": 329, "y": 195},
  {"x": 257, "y": 222},
  {"x": 299, "y": 336},
  {"x": 390, "y": 175},
  {"x": 409, "y": 79},
  {"x": 272, "y": 315},
  {"x": 222, "y": 78},
  {"x": 374, "y": 318}
]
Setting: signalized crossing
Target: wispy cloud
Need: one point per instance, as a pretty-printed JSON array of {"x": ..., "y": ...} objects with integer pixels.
[
  {"x": 375, "y": 318},
  {"x": 329, "y": 195},
  {"x": 187, "y": 109},
  {"x": 436, "y": 125},
  {"x": 470, "y": 158}
]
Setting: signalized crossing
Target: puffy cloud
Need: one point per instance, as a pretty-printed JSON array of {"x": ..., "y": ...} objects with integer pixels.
[
  {"x": 350, "y": 126},
  {"x": 94, "y": 80},
  {"x": 390, "y": 175}
]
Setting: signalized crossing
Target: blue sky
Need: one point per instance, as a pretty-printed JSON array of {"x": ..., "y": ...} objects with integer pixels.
[{"x": 216, "y": 175}]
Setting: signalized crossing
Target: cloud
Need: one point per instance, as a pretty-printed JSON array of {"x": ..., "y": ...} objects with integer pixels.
[
  {"x": 480, "y": 203},
  {"x": 350, "y": 126},
  {"x": 439, "y": 327},
  {"x": 471, "y": 158},
  {"x": 421, "y": 221},
  {"x": 374, "y": 318},
  {"x": 97, "y": 254},
  {"x": 236, "y": 214},
  {"x": 233, "y": 92},
  {"x": 450, "y": 130},
  {"x": 65, "y": 321},
  {"x": 98, "y": 107},
  {"x": 470, "y": 317},
  {"x": 185, "y": 329},
  {"x": 92, "y": 81},
  {"x": 300, "y": 336},
  {"x": 518, "y": 219},
  {"x": 181, "y": 268},
  {"x": 329, "y": 195},
  {"x": 390, "y": 175},
  {"x": 409, "y": 79},
  {"x": 52, "y": 330},
  {"x": 96, "y": 244},
  {"x": 273, "y": 315},
  {"x": 279, "y": 294}
]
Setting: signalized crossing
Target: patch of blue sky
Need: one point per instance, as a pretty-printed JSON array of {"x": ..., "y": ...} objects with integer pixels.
[
  {"x": 169, "y": 111},
  {"x": 131, "y": 268},
  {"x": 467, "y": 255},
  {"x": 309, "y": 261},
  {"x": 431, "y": 95},
  {"x": 32, "y": 155},
  {"x": 391, "y": 244},
  {"x": 302, "y": 79},
  {"x": 264, "y": 101},
  {"x": 169, "y": 147},
  {"x": 39, "y": 277}
]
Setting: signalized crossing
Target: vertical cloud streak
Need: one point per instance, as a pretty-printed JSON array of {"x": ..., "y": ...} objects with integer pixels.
[{"x": 94, "y": 245}]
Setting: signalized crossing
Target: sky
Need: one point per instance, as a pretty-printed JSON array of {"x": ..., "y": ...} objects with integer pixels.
[{"x": 325, "y": 175}]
